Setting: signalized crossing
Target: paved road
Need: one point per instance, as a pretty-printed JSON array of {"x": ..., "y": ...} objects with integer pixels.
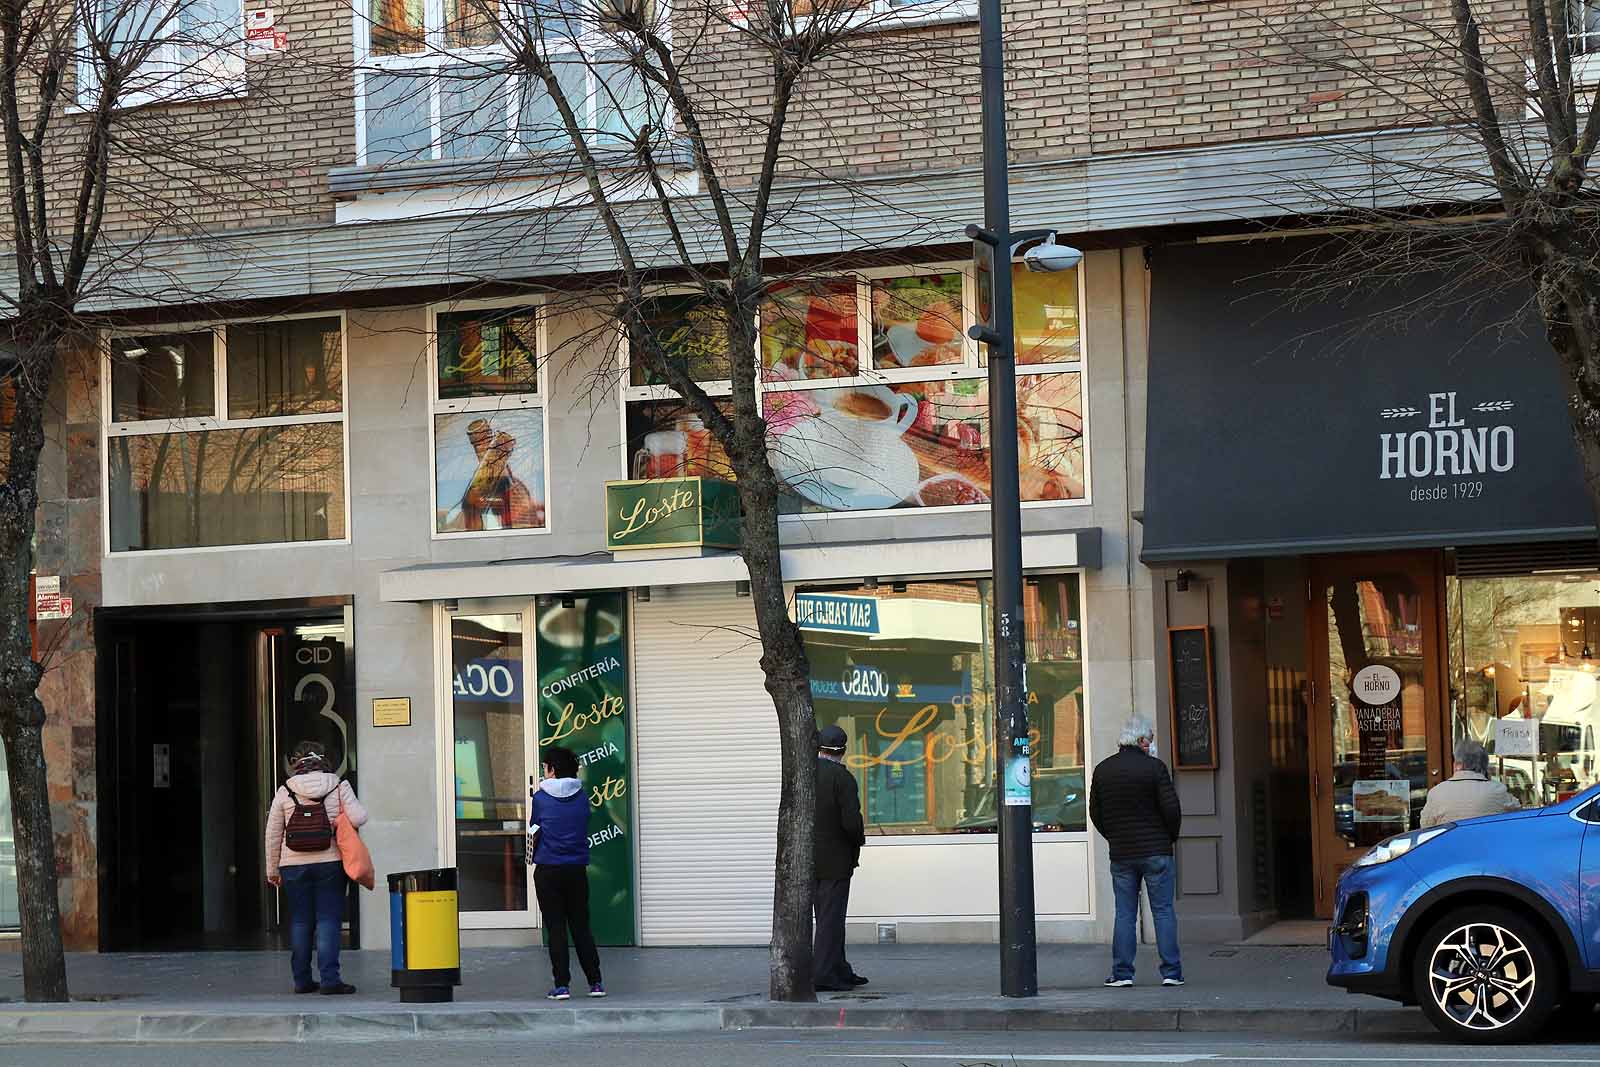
[{"x": 787, "y": 1049}]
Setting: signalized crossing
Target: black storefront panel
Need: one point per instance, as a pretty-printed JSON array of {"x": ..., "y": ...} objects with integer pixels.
[{"x": 1284, "y": 427}]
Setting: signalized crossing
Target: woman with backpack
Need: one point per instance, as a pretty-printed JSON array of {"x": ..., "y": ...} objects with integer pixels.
[{"x": 303, "y": 857}]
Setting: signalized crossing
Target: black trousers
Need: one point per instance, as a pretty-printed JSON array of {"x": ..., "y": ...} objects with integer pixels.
[
  {"x": 830, "y": 902},
  {"x": 563, "y": 892}
]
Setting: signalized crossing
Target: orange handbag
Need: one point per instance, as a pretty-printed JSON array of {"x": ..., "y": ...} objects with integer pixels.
[{"x": 353, "y": 851}]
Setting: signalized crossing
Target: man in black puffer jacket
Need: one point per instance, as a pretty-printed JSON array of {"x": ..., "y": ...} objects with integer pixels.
[
  {"x": 1134, "y": 806},
  {"x": 840, "y": 833}
]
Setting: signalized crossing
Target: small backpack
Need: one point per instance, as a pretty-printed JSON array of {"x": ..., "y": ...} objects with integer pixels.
[{"x": 308, "y": 829}]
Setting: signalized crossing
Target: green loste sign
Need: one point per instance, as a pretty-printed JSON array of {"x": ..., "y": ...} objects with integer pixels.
[{"x": 672, "y": 513}]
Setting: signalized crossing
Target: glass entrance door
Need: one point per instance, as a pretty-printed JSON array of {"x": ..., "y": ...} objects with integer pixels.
[{"x": 1376, "y": 721}]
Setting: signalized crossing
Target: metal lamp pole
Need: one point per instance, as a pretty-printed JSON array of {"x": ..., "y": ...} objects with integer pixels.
[{"x": 993, "y": 244}]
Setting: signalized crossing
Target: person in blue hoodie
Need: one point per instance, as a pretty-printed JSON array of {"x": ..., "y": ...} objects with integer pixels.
[{"x": 561, "y": 870}]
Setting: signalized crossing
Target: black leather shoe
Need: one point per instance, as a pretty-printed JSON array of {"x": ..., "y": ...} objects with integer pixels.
[
  {"x": 856, "y": 979},
  {"x": 338, "y": 990},
  {"x": 306, "y": 989}
]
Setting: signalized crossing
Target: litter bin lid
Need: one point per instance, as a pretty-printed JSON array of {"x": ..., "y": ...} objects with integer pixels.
[{"x": 423, "y": 881}]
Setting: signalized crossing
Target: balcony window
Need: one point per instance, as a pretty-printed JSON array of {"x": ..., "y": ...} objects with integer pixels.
[{"x": 435, "y": 80}]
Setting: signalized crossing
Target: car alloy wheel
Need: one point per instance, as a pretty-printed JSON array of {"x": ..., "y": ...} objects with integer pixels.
[{"x": 1482, "y": 976}]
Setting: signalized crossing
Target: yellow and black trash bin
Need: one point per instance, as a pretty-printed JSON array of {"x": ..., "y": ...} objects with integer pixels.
[{"x": 424, "y": 935}]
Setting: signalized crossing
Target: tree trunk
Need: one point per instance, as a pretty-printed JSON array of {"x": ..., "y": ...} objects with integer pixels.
[
  {"x": 788, "y": 682},
  {"x": 44, "y": 972},
  {"x": 44, "y": 967}
]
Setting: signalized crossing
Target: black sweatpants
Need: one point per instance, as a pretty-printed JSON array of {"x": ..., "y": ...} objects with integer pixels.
[
  {"x": 563, "y": 892},
  {"x": 831, "y": 902}
]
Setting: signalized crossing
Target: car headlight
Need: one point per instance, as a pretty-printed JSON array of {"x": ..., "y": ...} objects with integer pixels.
[{"x": 1398, "y": 845}]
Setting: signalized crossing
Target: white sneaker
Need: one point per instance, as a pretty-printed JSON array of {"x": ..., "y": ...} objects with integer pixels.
[
  {"x": 1172, "y": 981},
  {"x": 1118, "y": 983}
]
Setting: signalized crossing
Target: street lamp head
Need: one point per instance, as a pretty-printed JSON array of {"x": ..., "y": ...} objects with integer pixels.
[{"x": 1051, "y": 258}]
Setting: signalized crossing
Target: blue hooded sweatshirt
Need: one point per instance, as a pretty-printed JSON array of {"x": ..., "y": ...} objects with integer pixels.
[{"x": 561, "y": 812}]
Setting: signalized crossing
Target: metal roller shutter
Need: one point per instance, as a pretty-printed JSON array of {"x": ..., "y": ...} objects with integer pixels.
[{"x": 706, "y": 752}]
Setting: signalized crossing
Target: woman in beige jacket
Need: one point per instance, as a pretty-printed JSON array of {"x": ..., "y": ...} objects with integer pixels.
[{"x": 313, "y": 880}]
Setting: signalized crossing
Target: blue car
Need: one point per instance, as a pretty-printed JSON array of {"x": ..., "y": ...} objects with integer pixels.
[{"x": 1488, "y": 924}]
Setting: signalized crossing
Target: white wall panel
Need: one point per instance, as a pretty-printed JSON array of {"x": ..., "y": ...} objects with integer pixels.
[
  {"x": 707, "y": 767},
  {"x": 959, "y": 880}
]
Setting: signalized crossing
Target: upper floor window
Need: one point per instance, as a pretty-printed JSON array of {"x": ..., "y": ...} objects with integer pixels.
[
  {"x": 435, "y": 80},
  {"x": 871, "y": 13},
  {"x": 488, "y": 422},
  {"x": 226, "y": 435},
  {"x": 164, "y": 49},
  {"x": 1583, "y": 26},
  {"x": 874, "y": 397}
]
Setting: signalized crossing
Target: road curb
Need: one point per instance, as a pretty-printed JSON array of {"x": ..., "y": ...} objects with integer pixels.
[{"x": 381, "y": 1024}]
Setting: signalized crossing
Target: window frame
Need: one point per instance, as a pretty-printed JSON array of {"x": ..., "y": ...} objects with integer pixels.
[
  {"x": 233, "y": 84},
  {"x": 435, "y": 55},
  {"x": 499, "y": 402},
  {"x": 445, "y": 743},
  {"x": 878, "y": 15},
  {"x": 1086, "y": 640},
  {"x": 970, "y": 368},
  {"x": 218, "y": 329}
]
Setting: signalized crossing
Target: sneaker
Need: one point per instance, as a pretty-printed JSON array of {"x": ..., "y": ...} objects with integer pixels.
[
  {"x": 560, "y": 992},
  {"x": 1172, "y": 981},
  {"x": 597, "y": 990},
  {"x": 1118, "y": 983}
]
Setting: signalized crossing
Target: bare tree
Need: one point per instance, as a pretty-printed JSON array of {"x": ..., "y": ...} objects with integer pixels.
[{"x": 102, "y": 157}]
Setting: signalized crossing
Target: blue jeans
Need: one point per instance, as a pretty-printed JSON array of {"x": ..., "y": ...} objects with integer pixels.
[
  {"x": 316, "y": 902},
  {"x": 1159, "y": 885}
]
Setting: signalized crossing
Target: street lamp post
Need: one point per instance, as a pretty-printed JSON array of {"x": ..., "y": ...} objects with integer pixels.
[{"x": 1019, "y": 967}]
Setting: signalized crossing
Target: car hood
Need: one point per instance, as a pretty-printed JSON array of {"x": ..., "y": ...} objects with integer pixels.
[{"x": 1505, "y": 816}]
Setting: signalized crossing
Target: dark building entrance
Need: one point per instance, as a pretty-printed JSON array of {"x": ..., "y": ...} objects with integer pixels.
[{"x": 198, "y": 711}]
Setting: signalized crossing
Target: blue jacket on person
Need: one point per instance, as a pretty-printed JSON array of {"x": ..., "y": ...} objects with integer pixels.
[{"x": 561, "y": 812}]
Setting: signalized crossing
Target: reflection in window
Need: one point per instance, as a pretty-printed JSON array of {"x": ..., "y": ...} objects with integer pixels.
[
  {"x": 398, "y": 113},
  {"x": 206, "y": 488},
  {"x": 920, "y": 444},
  {"x": 1524, "y": 660},
  {"x": 163, "y": 376},
  {"x": 488, "y": 353},
  {"x": 397, "y": 27},
  {"x": 1045, "y": 315},
  {"x": 906, "y": 673},
  {"x": 10, "y": 909},
  {"x": 472, "y": 111},
  {"x": 692, "y": 333},
  {"x": 491, "y": 772},
  {"x": 285, "y": 368}
]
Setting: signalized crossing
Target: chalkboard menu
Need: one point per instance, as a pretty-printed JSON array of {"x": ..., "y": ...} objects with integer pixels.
[{"x": 1194, "y": 713}]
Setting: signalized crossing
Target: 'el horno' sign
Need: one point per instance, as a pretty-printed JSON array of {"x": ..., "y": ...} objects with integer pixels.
[{"x": 1376, "y": 684}]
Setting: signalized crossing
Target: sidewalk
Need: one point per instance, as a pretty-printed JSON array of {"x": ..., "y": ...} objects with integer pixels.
[{"x": 244, "y": 996}]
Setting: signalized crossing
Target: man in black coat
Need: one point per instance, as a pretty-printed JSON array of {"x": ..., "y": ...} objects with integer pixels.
[
  {"x": 840, "y": 834},
  {"x": 1134, "y": 806}
]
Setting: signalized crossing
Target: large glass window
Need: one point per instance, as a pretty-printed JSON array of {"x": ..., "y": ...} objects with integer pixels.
[
  {"x": 489, "y": 421},
  {"x": 1524, "y": 663},
  {"x": 906, "y": 672},
  {"x": 490, "y": 761},
  {"x": 450, "y": 68},
  {"x": 187, "y": 49},
  {"x": 272, "y": 470},
  {"x": 907, "y": 427}
]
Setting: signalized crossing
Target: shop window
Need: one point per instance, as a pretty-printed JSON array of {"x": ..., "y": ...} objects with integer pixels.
[
  {"x": 434, "y": 81},
  {"x": 907, "y": 427},
  {"x": 906, "y": 671},
  {"x": 1524, "y": 664},
  {"x": 489, "y": 448},
  {"x": 10, "y": 909},
  {"x": 490, "y": 762},
  {"x": 269, "y": 470}
]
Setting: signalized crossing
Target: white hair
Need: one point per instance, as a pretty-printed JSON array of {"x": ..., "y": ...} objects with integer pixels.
[{"x": 1137, "y": 729}]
